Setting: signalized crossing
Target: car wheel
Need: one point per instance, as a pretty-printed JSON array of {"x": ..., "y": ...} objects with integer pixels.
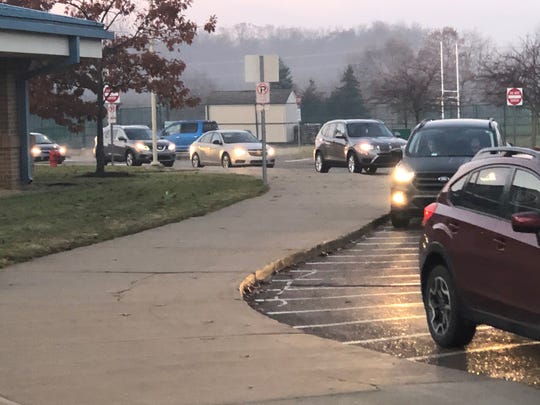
[
  {"x": 447, "y": 326},
  {"x": 399, "y": 220},
  {"x": 271, "y": 165},
  {"x": 321, "y": 166},
  {"x": 371, "y": 169},
  {"x": 168, "y": 164},
  {"x": 196, "y": 161},
  {"x": 352, "y": 164},
  {"x": 130, "y": 159},
  {"x": 226, "y": 161}
]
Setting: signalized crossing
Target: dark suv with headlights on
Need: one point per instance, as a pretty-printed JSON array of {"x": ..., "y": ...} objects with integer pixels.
[
  {"x": 356, "y": 144},
  {"x": 480, "y": 252},
  {"x": 434, "y": 152},
  {"x": 133, "y": 144}
]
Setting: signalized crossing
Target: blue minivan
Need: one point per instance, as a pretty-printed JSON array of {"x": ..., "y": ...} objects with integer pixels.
[{"x": 184, "y": 133}]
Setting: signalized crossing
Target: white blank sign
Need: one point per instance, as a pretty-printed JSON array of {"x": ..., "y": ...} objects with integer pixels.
[{"x": 253, "y": 70}]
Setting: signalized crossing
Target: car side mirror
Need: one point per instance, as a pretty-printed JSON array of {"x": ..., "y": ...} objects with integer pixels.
[
  {"x": 216, "y": 142},
  {"x": 527, "y": 222},
  {"x": 122, "y": 138}
]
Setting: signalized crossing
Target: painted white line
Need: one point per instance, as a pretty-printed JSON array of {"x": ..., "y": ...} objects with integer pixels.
[
  {"x": 387, "y": 243},
  {"x": 327, "y": 325},
  {"x": 396, "y": 238},
  {"x": 4, "y": 401},
  {"x": 297, "y": 160},
  {"x": 286, "y": 280},
  {"x": 379, "y": 255},
  {"x": 385, "y": 249},
  {"x": 381, "y": 269},
  {"x": 400, "y": 337},
  {"x": 478, "y": 350},
  {"x": 330, "y": 297},
  {"x": 369, "y": 262},
  {"x": 333, "y": 288},
  {"x": 313, "y": 311}
]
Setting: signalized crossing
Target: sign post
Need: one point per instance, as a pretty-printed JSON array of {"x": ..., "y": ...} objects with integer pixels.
[
  {"x": 111, "y": 98},
  {"x": 299, "y": 112}
]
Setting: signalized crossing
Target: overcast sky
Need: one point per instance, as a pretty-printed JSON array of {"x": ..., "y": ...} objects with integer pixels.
[{"x": 503, "y": 21}]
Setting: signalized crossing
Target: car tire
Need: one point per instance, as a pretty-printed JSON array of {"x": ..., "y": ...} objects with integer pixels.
[
  {"x": 321, "y": 165},
  {"x": 226, "y": 161},
  {"x": 271, "y": 165},
  {"x": 168, "y": 164},
  {"x": 352, "y": 164},
  {"x": 371, "y": 169},
  {"x": 446, "y": 324},
  {"x": 399, "y": 220},
  {"x": 130, "y": 159},
  {"x": 196, "y": 161}
]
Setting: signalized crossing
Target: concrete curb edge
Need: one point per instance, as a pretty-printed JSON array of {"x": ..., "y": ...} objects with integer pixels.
[{"x": 250, "y": 282}]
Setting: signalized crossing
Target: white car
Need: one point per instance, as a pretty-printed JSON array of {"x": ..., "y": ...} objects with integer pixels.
[{"x": 229, "y": 148}]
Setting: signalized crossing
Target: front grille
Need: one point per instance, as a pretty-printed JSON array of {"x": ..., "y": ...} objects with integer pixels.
[
  {"x": 384, "y": 147},
  {"x": 255, "y": 152},
  {"x": 159, "y": 147},
  {"x": 387, "y": 159},
  {"x": 429, "y": 182}
]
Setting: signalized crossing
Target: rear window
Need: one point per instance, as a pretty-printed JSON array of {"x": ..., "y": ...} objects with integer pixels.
[
  {"x": 450, "y": 141},
  {"x": 209, "y": 126}
]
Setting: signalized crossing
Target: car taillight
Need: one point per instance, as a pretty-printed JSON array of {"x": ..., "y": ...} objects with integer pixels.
[{"x": 428, "y": 212}]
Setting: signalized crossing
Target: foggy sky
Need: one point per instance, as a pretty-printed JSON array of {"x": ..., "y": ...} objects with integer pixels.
[{"x": 506, "y": 22}]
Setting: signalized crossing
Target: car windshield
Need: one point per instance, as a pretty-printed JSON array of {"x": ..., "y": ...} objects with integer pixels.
[
  {"x": 138, "y": 133},
  {"x": 238, "y": 137},
  {"x": 367, "y": 129},
  {"x": 40, "y": 138},
  {"x": 450, "y": 141}
]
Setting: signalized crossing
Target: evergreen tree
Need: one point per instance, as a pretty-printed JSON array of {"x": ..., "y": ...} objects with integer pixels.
[
  {"x": 313, "y": 104},
  {"x": 346, "y": 100},
  {"x": 285, "y": 77}
]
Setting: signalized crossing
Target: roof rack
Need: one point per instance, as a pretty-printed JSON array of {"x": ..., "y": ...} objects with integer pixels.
[{"x": 505, "y": 151}]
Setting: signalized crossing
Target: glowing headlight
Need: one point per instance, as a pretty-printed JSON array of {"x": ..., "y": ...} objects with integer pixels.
[
  {"x": 398, "y": 198},
  {"x": 62, "y": 150},
  {"x": 402, "y": 174},
  {"x": 172, "y": 146},
  {"x": 35, "y": 151},
  {"x": 141, "y": 147},
  {"x": 239, "y": 151},
  {"x": 270, "y": 151},
  {"x": 365, "y": 147}
]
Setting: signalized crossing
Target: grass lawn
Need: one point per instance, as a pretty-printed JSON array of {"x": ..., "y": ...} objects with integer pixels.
[{"x": 67, "y": 207}]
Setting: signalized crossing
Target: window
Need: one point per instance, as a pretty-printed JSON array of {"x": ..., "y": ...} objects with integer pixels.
[
  {"x": 456, "y": 190},
  {"x": 484, "y": 190},
  {"x": 206, "y": 138},
  {"x": 209, "y": 126},
  {"x": 368, "y": 129},
  {"x": 450, "y": 141},
  {"x": 173, "y": 129},
  {"x": 329, "y": 130},
  {"x": 524, "y": 193},
  {"x": 216, "y": 137},
  {"x": 189, "y": 128},
  {"x": 340, "y": 129}
]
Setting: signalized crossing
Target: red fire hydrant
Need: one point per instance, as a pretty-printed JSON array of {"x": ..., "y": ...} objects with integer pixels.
[{"x": 53, "y": 158}]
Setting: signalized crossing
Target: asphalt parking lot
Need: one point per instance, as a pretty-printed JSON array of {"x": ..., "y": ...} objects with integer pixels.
[{"x": 368, "y": 294}]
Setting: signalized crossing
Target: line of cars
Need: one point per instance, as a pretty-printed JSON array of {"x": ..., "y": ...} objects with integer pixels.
[{"x": 480, "y": 203}]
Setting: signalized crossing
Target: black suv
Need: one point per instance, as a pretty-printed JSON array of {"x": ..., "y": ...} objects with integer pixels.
[
  {"x": 434, "y": 152},
  {"x": 356, "y": 144}
]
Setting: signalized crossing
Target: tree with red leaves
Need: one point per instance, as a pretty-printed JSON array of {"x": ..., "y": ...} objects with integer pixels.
[{"x": 127, "y": 64}]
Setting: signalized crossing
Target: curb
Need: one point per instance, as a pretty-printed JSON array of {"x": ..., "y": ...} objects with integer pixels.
[{"x": 250, "y": 283}]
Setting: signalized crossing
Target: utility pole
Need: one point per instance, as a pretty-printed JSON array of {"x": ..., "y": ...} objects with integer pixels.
[
  {"x": 443, "y": 91},
  {"x": 263, "y": 124}
]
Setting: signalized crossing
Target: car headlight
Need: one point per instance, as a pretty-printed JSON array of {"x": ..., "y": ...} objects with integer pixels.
[
  {"x": 35, "y": 151},
  {"x": 62, "y": 150},
  {"x": 365, "y": 147},
  {"x": 141, "y": 147},
  {"x": 172, "y": 147},
  {"x": 239, "y": 152},
  {"x": 270, "y": 151},
  {"x": 402, "y": 174}
]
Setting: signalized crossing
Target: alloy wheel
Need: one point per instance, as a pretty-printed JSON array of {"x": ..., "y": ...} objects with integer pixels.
[{"x": 440, "y": 306}]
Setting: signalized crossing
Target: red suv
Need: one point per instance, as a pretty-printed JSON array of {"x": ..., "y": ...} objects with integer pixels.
[{"x": 480, "y": 252}]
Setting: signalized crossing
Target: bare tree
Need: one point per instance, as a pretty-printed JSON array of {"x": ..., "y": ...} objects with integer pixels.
[{"x": 519, "y": 67}]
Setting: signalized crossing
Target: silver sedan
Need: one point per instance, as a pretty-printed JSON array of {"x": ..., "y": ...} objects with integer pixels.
[{"x": 229, "y": 148}]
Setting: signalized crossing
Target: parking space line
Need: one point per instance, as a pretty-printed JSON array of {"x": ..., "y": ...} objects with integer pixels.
[
  {"x": 313, "y": 311},
  {"x": 328, "y": 297},
  {"x": 325, "y": 271},
  {"x": 478, "y": 350},
  {"x": 384, "y": 249},
  {"x": 327, "y": 325},
  {"x": 400, "y": 254},
  {"x": 286, "y": 280},
  {"x": 364, "y": 262},
  {"x": 387, "y": 243}
]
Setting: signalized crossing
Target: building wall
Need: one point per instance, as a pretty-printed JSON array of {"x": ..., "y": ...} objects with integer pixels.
[{"x": 9, "y": 140}]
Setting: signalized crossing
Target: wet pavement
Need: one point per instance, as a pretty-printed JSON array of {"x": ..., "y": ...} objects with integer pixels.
[{"x": 368, "y": 294}]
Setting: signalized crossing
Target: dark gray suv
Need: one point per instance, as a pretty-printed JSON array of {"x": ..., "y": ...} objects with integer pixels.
[
  {"x": 434, "y": 152},
  {"x": 356, "y": 144}
]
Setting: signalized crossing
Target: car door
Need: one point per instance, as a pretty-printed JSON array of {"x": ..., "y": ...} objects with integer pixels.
[
  {"x": 476, "y": 246},
  {"x": 326, "y": 133},
  {"x": 203, "y": 147},
  {"x": 214, "y": 148},
  {"x": 518, "y": 269},
  {"x": 339, "y": 143}
]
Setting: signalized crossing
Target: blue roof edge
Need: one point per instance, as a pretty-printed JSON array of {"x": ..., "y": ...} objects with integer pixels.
[{"x": 14, "y": 18}]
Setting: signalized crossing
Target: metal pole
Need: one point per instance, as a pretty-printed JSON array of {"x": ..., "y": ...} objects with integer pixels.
[
  {"x": 457, "y": 83},
  {"x": 442, "y": 82},
  {"x": 112, "y": 143},
  {"x": 263, "y": 124},
  {"x": 155, "y": 161}
]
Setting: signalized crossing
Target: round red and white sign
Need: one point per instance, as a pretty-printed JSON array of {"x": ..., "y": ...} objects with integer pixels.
[
  {"x": 514, "y": 96},
  {"x": 109, "y": 95}
]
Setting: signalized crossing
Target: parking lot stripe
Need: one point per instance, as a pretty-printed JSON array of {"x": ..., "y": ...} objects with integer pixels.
[
  {"x": 311, "y": 311},
  {"x": 385, "y": 249},
  {"x": 478, "y": 350},
  {"x": 381, "y": 269},
  {"x": 327, "y": 325},
  {"x": 400, "y": 254},
  {"x": 387, "y": 243},
  {"x": 364, "y": 262},
  {"x": 329, "y": 297}
]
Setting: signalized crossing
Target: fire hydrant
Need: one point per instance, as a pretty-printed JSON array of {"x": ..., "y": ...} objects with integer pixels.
[{"x": 54, "y": 155}]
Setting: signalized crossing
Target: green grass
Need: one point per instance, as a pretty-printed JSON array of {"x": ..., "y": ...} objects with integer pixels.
[{"x": 67, "y": 207}]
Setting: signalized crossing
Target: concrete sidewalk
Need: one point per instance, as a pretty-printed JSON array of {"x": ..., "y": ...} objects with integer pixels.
[{"x": 157, "y": 318}]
